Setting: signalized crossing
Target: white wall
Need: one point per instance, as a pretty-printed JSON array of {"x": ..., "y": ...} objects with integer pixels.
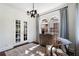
[
  {"x": 31, "y": 29},
  {"x": 8, "y": 15}
]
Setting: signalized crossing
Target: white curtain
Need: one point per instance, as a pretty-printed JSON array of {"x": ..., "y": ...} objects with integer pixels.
[
  {"x": 64, "y": 30},
  {"x": 77, "y": 31}
]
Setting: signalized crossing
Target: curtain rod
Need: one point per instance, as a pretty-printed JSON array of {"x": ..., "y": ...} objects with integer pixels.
[{"x": 53, "y": 11}]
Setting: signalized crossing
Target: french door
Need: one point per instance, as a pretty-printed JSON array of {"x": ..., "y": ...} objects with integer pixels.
[{"x": 21, "y": 32}]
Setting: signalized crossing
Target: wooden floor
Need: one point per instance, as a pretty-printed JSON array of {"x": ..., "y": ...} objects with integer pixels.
[
  {"x": 2, "y": 54},
  {"x": 31, "y": 49}
]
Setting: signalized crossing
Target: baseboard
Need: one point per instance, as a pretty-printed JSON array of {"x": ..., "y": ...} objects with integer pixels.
[
  {"x": 21, "y": 44},
  {"x": 5, "y": 48},
  {"x": 35, "y": 42}
]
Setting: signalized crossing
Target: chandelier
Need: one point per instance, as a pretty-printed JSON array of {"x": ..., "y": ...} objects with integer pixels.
[{"x": 33, "y": 12}]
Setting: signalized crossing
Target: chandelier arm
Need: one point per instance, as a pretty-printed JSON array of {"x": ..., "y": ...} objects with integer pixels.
[{"x": 33, "y": 6}]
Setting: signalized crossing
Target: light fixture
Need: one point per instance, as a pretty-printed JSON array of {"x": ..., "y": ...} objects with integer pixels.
[{"x": 32, "y": 13}]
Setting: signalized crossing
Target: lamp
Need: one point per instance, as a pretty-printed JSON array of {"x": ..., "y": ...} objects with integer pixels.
[{"x": 32, "y": 13}]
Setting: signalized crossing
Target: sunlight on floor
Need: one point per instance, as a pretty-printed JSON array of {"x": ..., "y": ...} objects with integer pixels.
[
  {"x": 32, "y": 55},
  {"x": 40, "y": 53},
  {"x": 26, "y": 51},
  {"x": 33, "y": 47}
]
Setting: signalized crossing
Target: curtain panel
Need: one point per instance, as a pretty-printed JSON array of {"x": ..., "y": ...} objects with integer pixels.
[{"x": 64, "y": 30}]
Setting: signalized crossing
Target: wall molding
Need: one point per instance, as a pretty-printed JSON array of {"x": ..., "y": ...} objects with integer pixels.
[
  {"x": 57, "y": 8},
  {"x": 6, "y": 48}
]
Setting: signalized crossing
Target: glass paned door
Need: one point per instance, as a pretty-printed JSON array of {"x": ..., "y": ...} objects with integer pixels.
[
  {"x": 18, "y": 31},
  {"x": 25, "y": 31}
]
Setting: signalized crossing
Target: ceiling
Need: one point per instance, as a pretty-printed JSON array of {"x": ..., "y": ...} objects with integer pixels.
[{"x": 40, "y": 7}]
